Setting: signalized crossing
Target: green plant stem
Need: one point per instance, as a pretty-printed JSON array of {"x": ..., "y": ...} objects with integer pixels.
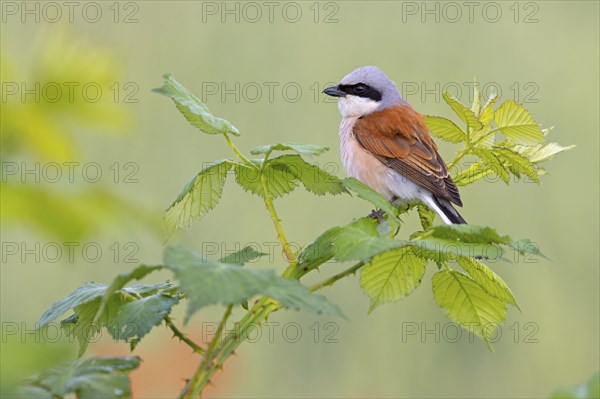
[
  {"x": 469, "y": 147},
  {"x": 195, "y": 385},
  {"x": 182, "y": 337},
  {"x": 237, "y": 152},
  {"x": 331, "y": 280},
  {"x": 277, "y": 222},
  {"x": 221, "y": 350},
  {"x": 246, "y": 325}
]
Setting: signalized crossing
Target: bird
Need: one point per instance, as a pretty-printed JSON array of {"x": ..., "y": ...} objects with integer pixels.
[{"x": 386, "y": 145}]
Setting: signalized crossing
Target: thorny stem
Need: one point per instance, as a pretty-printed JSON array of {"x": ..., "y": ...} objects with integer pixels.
[
  {"x": 182, "y": 337},
  {"x": 195, "y": 385},
  {"x": 219, "y": 350},
  {"x": 277, "y": 222}
]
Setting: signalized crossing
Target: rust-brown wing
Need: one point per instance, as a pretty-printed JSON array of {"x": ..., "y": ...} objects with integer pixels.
[{"x": 399, "y": 138}]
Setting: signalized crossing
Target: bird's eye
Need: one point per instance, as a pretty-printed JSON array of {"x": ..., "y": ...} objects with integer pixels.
[{"x": 360, "y": 88}]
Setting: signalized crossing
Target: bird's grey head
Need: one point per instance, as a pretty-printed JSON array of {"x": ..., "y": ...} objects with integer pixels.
[{"x": 363, "y": 91}]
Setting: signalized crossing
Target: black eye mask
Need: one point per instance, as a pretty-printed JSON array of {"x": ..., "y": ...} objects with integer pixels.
[{"x": 361, "y": 90}]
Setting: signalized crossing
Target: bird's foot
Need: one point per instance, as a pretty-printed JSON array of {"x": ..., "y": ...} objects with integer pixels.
[{"x": 376, "y": 214}]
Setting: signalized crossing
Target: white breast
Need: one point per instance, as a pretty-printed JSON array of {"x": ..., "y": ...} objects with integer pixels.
[{"x": 363, "y": 166}]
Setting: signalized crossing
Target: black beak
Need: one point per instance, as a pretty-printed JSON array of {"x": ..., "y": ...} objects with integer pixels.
[{"x": 334, "y": 91}]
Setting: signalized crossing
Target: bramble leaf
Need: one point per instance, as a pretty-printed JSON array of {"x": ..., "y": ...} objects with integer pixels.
[
  {"x": 539, "y": 153},
  {"x": 516, "y": 123},
  {"x": 492, "y": 162},
  {"x": 82, "y": 324},
  {"x": 283, "y": 174},
  {"x": 279, "y": 179},
  {"x": 474, "y": 172},
  {"x": 95, "y": 305},
  {"x": 487, "y": 112},
  {"x": 426, "y": 216},
  {"x": 392, "y": 275},
  {"x": 359, "y": 240},
  {"x": 242, "y": 256},
  {"x": 208, "y": 282},
  {"x": 487, "y": 279},
  {"x": 313, "y": 178},
  {"x": 302, "y": 149},
  {"x": 442, "y": 250},
  {"x": 527, "y": 247},
  {"x": 321, "y": 250},
  {"x": 198, "y": 196},
  {"x": 517, "y": 163},
  {"x": 122, "y": 279},
  {"x": 464, "y": 113},
  {"x": 469, "y": 233},
  {"x": 86, "y": 293},
  {"x": 136, "y": 319},
  {"x": 467, "y": 304},
  {"x": 95, "y": 377},
  {"x": 445, "y": 129},
  {"x": 193, "y": 109}
]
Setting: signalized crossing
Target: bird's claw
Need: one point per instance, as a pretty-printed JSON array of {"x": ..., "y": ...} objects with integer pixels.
[{"x": 376, "y": 214}]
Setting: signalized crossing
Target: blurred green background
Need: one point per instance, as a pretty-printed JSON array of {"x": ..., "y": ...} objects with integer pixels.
[{"x": 544, "y": 54}]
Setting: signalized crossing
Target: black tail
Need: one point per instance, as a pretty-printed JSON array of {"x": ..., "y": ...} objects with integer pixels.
[{"x": 448, "y": 210}]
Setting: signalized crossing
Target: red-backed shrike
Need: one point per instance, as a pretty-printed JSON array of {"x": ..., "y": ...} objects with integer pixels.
[{"x": 386, "y": 144}]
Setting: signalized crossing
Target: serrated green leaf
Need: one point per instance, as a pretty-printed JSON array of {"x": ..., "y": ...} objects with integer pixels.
[
  {"x": 86, "y": 293},
  {"x": 467, "y": 304},
  {"x": 487, "y": 112},
  {"x": 392, "y": 275},
  {"x": 144, "y": 290},
  {"x": 199, "y": 196},
  {"x": 242, "y": 256},
  {"x": 469, "y": 233},
  {"x": 539, "y": 153},
  {"x": 473, "y": 173},
  {"x": 360, "y": 240},
  {"x": 445, "y": 129},
  {"x": 517, "y": 163},
  {"x": 492, "y": 162},
  {"x": 83, "y": 326},
  {"x": 280, "y": 179},
  {"x": 483, "y": 138},
  {"x": 487, "y": 279},
  {"x": 426, "y": 216},
  {"x": 96, "y": 377},
  {"x": 194, "y": 110},
  {"x": 122, "y": 279},
  {"x": 319, "y": 251},
  {"x": 442, "y": 250},
  {"x": 302, "y": 149},
  {"x": 516, "y": 123},
  {"x": 464, "y": 113},
  {"x": 313, "y": 178},
  {"x": 136, "y": 319},
  {"x": 368, "y": 194},
  {"x": 527, "y": 247},
  {"x": 209, "y": 282}
]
